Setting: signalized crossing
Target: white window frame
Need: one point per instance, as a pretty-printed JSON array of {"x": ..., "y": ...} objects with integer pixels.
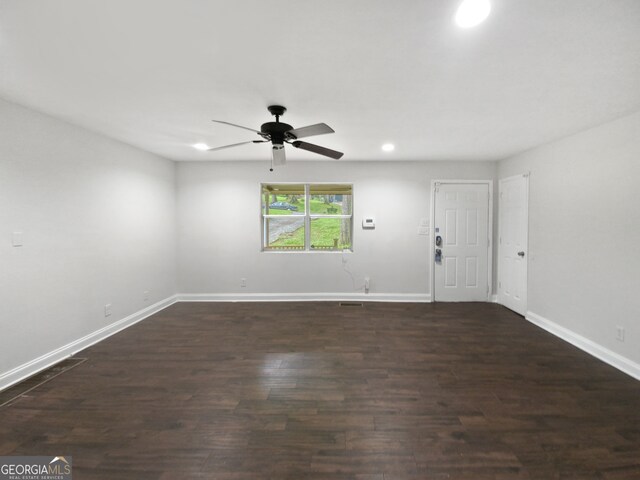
[{"x": 308, "y": 216}]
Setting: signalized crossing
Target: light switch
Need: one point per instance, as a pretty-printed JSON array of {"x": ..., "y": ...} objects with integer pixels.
[{"x": 16, "y": 239}]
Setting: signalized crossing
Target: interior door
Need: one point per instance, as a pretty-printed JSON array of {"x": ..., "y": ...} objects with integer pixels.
[
  {"x": 513, "y": 229},
  {"x": 461, "y": 243}
]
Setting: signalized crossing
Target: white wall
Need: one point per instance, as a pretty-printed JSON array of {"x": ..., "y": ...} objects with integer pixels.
[
  {"x": 584, "y": 234},
  {"x": 98, "y": 223},
  {"x": 219, "y": 229}
]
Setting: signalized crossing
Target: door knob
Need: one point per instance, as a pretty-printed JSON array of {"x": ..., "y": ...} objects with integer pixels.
[{"x": 521, "y": 254}]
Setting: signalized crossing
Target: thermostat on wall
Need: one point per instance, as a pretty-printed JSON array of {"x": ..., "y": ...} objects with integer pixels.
[{"x": 368, "y": 222}]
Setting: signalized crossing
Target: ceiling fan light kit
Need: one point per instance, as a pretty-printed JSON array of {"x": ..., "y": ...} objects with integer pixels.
[{"x": 279, "y": 133}]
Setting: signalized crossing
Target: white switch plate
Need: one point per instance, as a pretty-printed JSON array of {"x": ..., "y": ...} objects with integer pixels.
[
  {"x": 16, "y": 239},
  {"x": 107, "y": 310},
  {"x": 423, "y": 230}
]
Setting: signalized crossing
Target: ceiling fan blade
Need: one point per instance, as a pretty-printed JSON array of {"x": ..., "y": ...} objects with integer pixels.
[
  {"x": 234, "y": 145},
  {"x": 311, "y": 130},
  {"x": 279, "y": 157},
  {"x": 239, "y": 126},
  {"x": 327, "y": 152}
]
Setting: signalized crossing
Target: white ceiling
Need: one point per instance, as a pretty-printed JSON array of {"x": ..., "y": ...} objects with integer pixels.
[{"x": 154, "y": 73}]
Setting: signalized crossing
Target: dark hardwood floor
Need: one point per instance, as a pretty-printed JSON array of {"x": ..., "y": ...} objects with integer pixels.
[{"x": 317, "y": 391}]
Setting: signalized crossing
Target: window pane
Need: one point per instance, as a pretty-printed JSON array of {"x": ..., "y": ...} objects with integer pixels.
[
  {"x": 331, "y": 199},
  {"x": 285, "y": 233},
  {"x": 283, "y": 199},
  {"x": 330, "y": 233}
]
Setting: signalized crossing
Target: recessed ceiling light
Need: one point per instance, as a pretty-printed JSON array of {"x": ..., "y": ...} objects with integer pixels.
[
  {"x": 201, "y": 146},
  {"x": 472, "y": 12},
  {"x": 388, "y": 147}
]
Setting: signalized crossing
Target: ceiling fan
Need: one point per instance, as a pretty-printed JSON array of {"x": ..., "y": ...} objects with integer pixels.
[{"x": 279, "y": 133}]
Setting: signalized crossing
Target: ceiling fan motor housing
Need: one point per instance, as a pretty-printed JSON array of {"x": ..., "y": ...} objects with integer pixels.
[{"x": 276, "y": 131}]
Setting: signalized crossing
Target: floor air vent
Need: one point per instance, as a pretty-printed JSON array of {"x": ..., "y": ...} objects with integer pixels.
[
  {"x": 18, "y": 390},
  {"x": 351, "y": 304}
]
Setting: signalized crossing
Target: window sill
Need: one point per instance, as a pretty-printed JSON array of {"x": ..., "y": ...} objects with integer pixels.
[{"x": 346, "y": 250}]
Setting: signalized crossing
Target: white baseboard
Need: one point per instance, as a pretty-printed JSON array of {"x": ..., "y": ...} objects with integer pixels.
[
  {"x": 304, "y": 297},
  {"x": 494, "y": 299},
  {"x": 612, "y": 358},
  {"x": 45, "y": 361}
]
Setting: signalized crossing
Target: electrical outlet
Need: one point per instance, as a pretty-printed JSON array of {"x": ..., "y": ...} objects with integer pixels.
[
  {"x": 620, "y": 333},
  {"x": 243, "y": 282},
  {"x": 366, "y": 284},
  {"x": 145, "y": 296},
  {"x": 107, "y": 310}
]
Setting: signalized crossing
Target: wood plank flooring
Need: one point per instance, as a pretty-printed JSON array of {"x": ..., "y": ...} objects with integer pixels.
[{"x": 237, "y": 391}]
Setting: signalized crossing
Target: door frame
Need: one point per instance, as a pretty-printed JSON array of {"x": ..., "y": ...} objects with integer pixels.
[
  {"x": 432, "y": 239},
  {"x": 526, "y": 175}
]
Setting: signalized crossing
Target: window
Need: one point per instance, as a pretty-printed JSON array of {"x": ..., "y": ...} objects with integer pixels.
[{"x": 307, "y": 217}]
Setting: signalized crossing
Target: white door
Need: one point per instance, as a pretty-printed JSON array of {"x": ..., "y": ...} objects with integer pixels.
[
  {"x": 513, "y": 230},
  {"x": 461, "y": 222}
]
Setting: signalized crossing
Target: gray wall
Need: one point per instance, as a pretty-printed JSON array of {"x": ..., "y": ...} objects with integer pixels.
[
  {"x": 98, "y": 223},
  {"x": 584, "y": 232},
  {"x": 219, "y": 228}
]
